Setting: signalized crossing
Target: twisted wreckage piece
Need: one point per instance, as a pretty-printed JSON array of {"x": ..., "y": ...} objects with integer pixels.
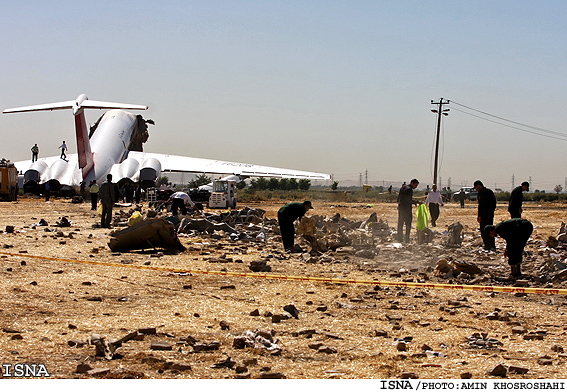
[{"x": 153, "y": 233}]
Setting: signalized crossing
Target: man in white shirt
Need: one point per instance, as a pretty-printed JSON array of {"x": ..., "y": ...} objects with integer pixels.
[
  {"x": 63, "y": 148},
  {"x": 433, "y": 201},
  {"x": 180, "y": 200}
]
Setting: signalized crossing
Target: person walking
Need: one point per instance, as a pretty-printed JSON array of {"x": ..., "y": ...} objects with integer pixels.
[
  {"x": 405, "y": 202},
  {"x": 35, "y": 153},
  {"x": 485, "y": 217},
  {"x": 179, "y": 200},
  {"x": 93, "y": 190},
  {"x": 63, "y": 148},
  {"x": 433, "y": 201},
  {"x": 516, "y": 232},
  {"x": 516, "y": 200},
  {"x": 286, "y": 216},
  {"x": 107, "y": 195}
]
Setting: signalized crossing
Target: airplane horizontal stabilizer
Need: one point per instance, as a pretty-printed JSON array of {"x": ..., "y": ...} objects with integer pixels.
[
  {"x": 47, "y": 106},
  {"x": 89, "y": 104},
  {"x": 82, "y": 102}
]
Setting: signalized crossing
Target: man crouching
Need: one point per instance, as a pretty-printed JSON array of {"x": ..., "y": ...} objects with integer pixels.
[
  {"x": 516, "y": 232},
  {"x": 286, "y": 216}
]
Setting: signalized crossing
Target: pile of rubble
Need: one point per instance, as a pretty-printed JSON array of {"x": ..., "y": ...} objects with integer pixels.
[{"x": 451, "y": 253}]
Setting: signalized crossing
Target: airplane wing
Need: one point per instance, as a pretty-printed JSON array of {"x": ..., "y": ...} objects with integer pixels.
[
  {"x": 177, "y": 163},
  {"x": 23, "y": 166}
]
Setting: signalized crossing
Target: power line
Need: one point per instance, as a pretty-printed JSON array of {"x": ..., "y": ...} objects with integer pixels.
[{"x": 561, "y": 136}]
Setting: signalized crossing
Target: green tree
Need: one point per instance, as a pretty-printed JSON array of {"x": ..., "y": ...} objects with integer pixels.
[
  {"x": 259, "y": 184},
  {"x": 558, "y": 189},
  {"x": 304, "y": 184},
  {"x": 335, "y": 186},
  {"x": 241, "y": 185},
  {"x": 273, "y": 184},
  {"x": 202, "y": 179},
  {"x": 284, "y": 184},
  {"x": 293, "y": 185},
  {"x": 162, "y": 181}
]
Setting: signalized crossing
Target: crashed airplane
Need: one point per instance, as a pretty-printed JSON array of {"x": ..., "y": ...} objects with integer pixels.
[{"x": 111, "y": 148}]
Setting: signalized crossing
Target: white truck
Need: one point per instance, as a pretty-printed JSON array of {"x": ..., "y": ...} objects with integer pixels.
[{"x": 223, "y": 194}]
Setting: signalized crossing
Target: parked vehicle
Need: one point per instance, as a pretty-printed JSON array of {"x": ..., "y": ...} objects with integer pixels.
[
  {"x": 8, "y": 181},
  {"x": 470, "y": 193}
]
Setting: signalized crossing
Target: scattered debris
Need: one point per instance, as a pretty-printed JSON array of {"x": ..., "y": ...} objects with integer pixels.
[
  {"x": 258, "y": 339},
  {"x": 153, "y": 233}
]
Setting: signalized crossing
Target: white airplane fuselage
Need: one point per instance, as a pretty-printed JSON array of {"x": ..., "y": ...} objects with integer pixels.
[
  {"x": 106, "y": 152},
  {"x": 110, "y": 142}
]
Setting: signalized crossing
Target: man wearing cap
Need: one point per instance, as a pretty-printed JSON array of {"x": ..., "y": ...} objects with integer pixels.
[
  {"x": 516, "y": 232},
  {"x": 286, "y": 216},
  {"x": 516, "y": 199}
]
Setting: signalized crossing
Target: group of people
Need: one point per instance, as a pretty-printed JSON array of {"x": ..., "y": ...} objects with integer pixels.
[
  {"x": 62, "y": 147},
  {"x": 515, "y": 231}
]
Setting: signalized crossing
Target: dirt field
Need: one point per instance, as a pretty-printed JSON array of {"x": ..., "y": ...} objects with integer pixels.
[{"x": 50, "y": 307}]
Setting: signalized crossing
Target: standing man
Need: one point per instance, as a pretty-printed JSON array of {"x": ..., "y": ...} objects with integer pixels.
[
  {"x": 180, "y": 200},
  {"x": 63, "y": 148},
  {"x": 405, "y": 201},
  {"x": 516, "y": 199},
  {"x": 47, "y": 188},
  {"x": 93, "y": 190},
  {"x": 34, "y": 153},
  {"x": 107, "y": 194},
  {"x": 516, "y": 232},
  {"x": 433, "y": 201},
  {"x": 486, "y": 207},
  {"x": 286, "y": 216},
  {"x": 462, "y": 197}
]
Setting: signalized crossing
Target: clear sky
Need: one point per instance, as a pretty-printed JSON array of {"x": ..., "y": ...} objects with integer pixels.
[{"x": 338, "y": 87}]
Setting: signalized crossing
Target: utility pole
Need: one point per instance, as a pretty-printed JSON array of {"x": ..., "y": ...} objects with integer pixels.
[
  {"x": 440, "y": 111},
  {"x": 366, "y": 176},
  {"x": 512, "y": 181}
]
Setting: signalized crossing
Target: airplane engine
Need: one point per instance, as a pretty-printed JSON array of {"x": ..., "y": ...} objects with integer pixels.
[
  {"x": 128, "y": 169},
  {"x": 32, "y": 177},
  {"x": 60, "y": 172},
  {"x": 150, "y": 172}
]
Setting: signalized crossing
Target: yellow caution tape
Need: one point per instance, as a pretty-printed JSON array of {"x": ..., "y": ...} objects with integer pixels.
[{"x": 502, "y": 289}]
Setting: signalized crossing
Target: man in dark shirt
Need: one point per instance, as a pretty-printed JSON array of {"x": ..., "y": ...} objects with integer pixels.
[
  {"x": 486, "y": 207},
  {"x": 405, "y": 201},
  {"x": 516, "y": 199},
  {"x": 286, "y": 216},
  {"x": 516, "y": 232},
  {"x": 108, "y": 197}
]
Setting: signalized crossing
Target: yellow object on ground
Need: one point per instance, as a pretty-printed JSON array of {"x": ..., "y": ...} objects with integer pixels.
[{"x": 422, "y": 217}]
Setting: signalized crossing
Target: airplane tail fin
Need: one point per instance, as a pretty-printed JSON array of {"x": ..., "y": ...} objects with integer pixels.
[{"x": 78, "y": 105}]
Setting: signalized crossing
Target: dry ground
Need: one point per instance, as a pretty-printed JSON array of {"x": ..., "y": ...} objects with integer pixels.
[{"x": 48, "y": 303}]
